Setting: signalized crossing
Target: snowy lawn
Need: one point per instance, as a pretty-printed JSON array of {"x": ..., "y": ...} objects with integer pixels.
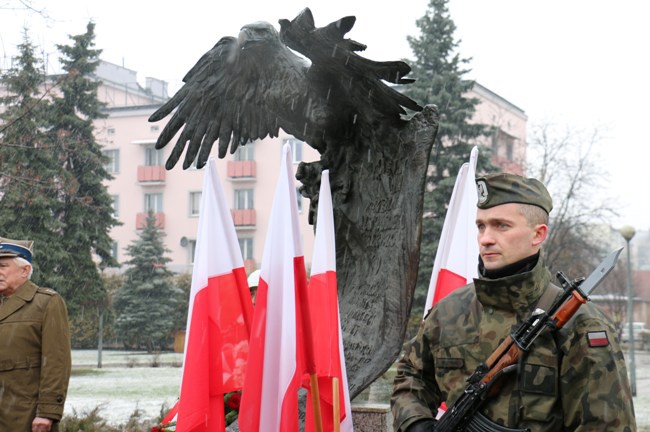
[{"x": 119, "y": 389}]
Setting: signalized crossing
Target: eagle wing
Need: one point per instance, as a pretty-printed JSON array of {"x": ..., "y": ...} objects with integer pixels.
[{"x": 232, "y": 95}]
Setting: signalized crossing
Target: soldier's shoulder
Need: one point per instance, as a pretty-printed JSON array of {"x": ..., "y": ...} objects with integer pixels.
[
  {"x": 456, "y": 302},
  {"x": 46, "y": 291},
  {"x": 459, "y": 295}
]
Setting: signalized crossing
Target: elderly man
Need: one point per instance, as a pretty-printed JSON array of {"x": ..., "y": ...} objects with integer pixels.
[
  {"x": 34, "y": 345},
  {"x": 568, "y": 381}
]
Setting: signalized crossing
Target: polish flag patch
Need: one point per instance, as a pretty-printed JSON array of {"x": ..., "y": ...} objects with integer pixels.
[{"x": 597, "y": 339}]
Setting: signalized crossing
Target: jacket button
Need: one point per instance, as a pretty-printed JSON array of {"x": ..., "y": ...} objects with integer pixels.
[{"x": 59, "y": 399}]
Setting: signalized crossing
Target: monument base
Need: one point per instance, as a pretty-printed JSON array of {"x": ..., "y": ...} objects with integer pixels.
[{"x": 372, "y": 417}]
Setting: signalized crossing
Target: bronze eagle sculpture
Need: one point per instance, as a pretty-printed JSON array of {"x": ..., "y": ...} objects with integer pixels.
[{"x": 341, "y": 104}]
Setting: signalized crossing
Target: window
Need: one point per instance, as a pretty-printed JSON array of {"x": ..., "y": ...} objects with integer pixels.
[
  {"x": 153, "y": 202},
  {"x": 245, "y": 153},
  {"x": 110, "y": 131},
  {"x": 246, "y": 246},
  {"x": 244, "y": 199},
  {"x": 195, "y": 203},
  {"x": 299, "y": 199},
  {"x": 503, "y": 144},
  {"x": 192, "y": 250},
  {"x": 116, "y": 205},
  {"x": 152, "y": 157},
  {"x": 112, "y": 165},
  {"x": 296, "y": 149}
]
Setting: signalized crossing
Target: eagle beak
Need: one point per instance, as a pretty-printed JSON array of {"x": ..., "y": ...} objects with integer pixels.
[{"x": 242, "y": 39}]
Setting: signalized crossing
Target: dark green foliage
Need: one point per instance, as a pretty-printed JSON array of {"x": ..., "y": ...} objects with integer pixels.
[
  {"x": 30, "y": 173},
  {"x": 183, "y": 283},
  {"x": 147, "y": 302},
  {"x": 439, "y": 72},
  {"x": 87, "y": 213}
]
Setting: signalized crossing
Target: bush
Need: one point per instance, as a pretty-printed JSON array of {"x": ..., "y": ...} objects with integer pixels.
[
  {"x": 93, "y": 422},
  {"x": 87, "y": 422}
]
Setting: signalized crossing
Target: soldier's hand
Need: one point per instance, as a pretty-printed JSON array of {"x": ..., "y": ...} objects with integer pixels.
[
  {"x": 41, "y": 424},
  {"x": 426, "y": 425}
]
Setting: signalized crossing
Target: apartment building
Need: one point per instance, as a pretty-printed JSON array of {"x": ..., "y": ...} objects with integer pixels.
[{"x": 249, "y": 176}]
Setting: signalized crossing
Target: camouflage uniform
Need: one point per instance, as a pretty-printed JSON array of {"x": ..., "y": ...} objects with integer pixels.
[{"x": 563, "y": 383}]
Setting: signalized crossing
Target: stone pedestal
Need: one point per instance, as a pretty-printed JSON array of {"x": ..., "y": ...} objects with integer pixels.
[{"x": 372, "y": 417}]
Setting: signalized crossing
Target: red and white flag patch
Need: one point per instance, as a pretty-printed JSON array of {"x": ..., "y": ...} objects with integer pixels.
[{"x": 597, "y": 339}]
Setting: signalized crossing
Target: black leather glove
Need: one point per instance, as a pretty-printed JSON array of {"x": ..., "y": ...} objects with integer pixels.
[{"x": 426, "y": 425}]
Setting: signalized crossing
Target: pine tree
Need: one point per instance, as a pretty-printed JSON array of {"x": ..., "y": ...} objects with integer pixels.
[
  {"x": 146, "y": 304},
  {"x": 86, "y": 213},
  {"x": 440, "y": 80},
  {"x": 30, "y": 173}
]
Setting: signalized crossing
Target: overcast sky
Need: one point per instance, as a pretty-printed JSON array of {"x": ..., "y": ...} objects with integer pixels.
[{"x": 580, "y": 63}]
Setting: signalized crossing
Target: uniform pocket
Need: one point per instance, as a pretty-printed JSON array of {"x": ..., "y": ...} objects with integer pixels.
[
  {"x": 451, "y": 371},
  {"x": 538, "y": 391}
]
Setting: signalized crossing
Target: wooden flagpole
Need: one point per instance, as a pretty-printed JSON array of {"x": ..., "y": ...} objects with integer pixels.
[{"x": 336, "y": 404}]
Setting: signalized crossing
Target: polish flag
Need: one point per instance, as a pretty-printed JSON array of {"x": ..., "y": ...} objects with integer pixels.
[
  {"x": 326, "y": 322},
  {"x": 219, "y": 318},
  {"x": 456, "y": 262},
  {"x": 276, "y": 363}
]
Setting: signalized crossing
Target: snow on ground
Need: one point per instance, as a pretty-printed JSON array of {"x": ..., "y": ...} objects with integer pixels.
[{"x": 119, "y": 390}]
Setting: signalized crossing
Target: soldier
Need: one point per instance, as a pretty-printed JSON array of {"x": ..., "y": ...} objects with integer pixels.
[
  {"x": 574, "y": 379},
  {"x": 34, "y": 345}
]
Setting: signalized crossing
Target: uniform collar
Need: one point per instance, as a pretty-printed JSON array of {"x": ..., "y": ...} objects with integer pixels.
[
  {"x": 24, "y": 294},
  {"x": 519, "y": 293}
]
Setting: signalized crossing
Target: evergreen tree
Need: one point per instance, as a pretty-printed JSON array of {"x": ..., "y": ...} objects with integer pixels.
[
  {"x": 146, "y": 303},
  {"x": 440, "y": 79},
  {"x": 86, "y": 213},
  {"x": 30, "y": 172}
]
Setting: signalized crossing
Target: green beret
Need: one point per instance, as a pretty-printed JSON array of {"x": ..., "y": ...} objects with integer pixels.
[
  {"x": 16, "y": 248},
  {"x": 504, "y": 188}
]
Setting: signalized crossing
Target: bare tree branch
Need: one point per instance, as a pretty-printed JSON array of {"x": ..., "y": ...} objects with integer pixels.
[{"x": 566, "y": 160}]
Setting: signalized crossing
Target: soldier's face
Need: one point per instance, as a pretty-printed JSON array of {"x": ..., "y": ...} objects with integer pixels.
[
  {"x": 12, "y": 275},
  {"x": 505, "y": 237}
]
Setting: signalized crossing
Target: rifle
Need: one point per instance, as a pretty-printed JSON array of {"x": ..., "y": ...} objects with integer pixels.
[{"x": 485, "y": 381}]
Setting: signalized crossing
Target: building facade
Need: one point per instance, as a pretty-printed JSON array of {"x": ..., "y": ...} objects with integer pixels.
[{"x": 141, "y": 184}]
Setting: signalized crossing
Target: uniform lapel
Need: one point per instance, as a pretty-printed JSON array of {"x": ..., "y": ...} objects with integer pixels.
[{"x": 22, "y": 295}]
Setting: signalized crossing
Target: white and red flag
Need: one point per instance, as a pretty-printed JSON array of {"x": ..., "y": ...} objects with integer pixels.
[
  {"x": 326, "y": 323},
  {"x": 276, "y": 363},
  {"x": 219, "y": 318},
  {"x": 456, "y": 262}
]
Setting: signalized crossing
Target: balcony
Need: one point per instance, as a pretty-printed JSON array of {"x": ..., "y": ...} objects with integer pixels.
[
  {"x": 141, "y": 220},
  {"x": 246, "y": 169},
  {"x": 243, "y": 217},
  {"x": 151, "y": 175}
]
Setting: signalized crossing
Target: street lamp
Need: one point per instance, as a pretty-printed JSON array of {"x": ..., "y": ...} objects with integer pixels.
[{"x": 628, "y": 232}]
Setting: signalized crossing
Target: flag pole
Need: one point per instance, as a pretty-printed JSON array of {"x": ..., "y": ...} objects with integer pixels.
[
  {"x": 315, "y": 401},
  {"x": 336, "y": 404}
]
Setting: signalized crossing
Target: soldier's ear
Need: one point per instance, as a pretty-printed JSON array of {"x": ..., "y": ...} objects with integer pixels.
[
  {"x": 25, "y": 270},
  {"x": 540, "y": 234}
]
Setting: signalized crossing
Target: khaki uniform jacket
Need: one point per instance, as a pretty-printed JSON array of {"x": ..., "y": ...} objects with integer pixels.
[
  {"x": 563, "y": 384},
  {"x": 35, "y": 357}
]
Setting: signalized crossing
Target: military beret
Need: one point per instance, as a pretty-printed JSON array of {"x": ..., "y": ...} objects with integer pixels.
[
  {"x": 16, "y": 248},
  {"x": 504, "y": 188}
]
